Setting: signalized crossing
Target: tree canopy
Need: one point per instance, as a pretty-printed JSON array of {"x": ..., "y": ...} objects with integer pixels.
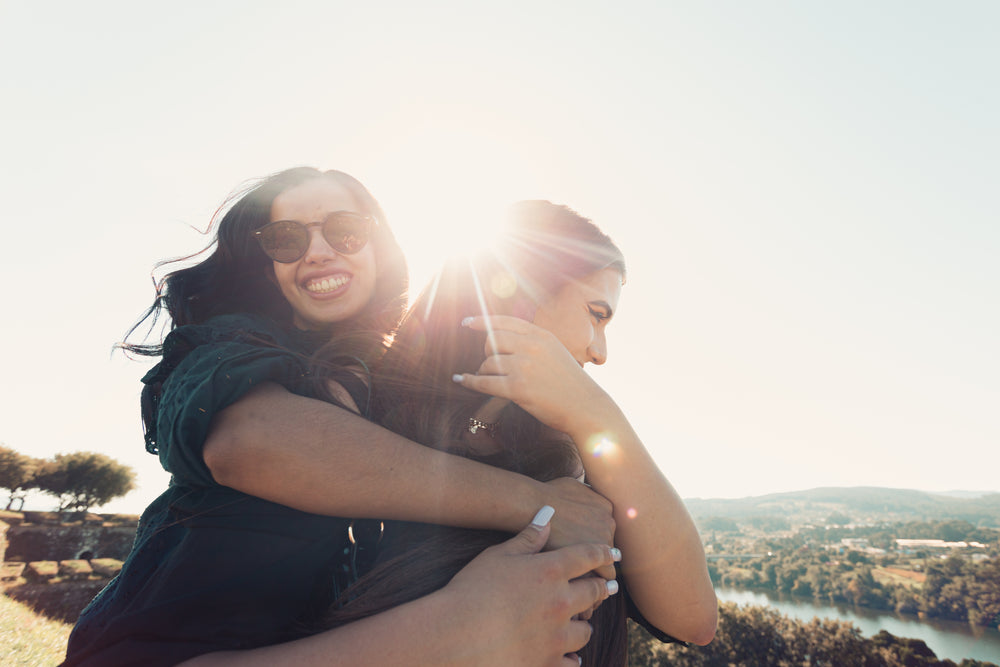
[
  {"x": 17, "y": 471},
  {"x": 81, "y": 480}
]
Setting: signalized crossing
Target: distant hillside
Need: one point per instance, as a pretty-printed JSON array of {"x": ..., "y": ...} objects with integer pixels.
[{"x": 861, "y": 504}]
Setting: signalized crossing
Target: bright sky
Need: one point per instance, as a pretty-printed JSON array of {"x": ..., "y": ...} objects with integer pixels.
[{"x": 806, "y": 194}]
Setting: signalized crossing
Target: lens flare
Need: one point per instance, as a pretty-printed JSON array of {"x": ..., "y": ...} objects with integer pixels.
[
  {"x": 631, "y": 513},
  {"x": 601, "y": 446},
  {"x": 503, "y": 284}
]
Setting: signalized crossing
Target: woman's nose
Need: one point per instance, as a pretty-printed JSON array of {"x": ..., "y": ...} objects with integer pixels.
[
  {"x": 319, "y": 250},
  {"x": 598, "y": 349}
]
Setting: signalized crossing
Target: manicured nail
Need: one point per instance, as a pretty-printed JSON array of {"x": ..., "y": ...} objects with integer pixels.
[
  {"x": 543, "y": 517},
  {"x": 579, "y": 660},
  {"x": 467, "y": 321},
  {"x": 616, "y": 554},
  {"x": 457, "y": 377},
  {"x": 612, "y": 586}
]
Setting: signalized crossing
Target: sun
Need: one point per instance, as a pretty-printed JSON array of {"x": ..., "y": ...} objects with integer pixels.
[{"x": 448, "y": 188}]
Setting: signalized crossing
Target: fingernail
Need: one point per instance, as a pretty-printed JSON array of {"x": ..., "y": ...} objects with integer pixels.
[
  {"x": 543, "y": 517},
  {"x": 612, "y": 586},
  {"x": 579, "y": 660},
  {"x": 467, "y": 321},
  {"x": 457, "y": 377},
  {"x": 616, "y": 554}
]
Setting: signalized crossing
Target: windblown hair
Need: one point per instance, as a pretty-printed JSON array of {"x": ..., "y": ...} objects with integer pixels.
[
  {"x": 543, "y": 248},
  {"x": 234, "y": 278}
]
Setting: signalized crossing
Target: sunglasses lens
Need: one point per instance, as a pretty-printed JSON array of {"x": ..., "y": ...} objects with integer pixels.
[
  {"x": 284, "y": 241},
  {"x": 347, "y": 233}
]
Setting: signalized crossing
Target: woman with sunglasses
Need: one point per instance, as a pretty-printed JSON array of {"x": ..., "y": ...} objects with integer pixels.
[{"x": 250, "y": 542}]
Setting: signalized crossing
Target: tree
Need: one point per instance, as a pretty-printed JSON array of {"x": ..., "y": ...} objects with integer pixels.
[
  {"x": 81, "y": 480},
  {"x": 16, "y": 473}
]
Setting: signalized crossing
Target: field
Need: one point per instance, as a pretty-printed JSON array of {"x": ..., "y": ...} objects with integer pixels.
[
  {"x": 28, "y": 639},
  {"x": 897, "y": 575}
]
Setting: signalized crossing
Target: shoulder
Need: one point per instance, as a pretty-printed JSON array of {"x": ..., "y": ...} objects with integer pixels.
[{"x": 239, "y": 327}]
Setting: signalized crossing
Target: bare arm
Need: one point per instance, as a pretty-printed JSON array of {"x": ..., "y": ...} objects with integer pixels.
[
  {"x": 664, "y": 563},
  {"x": 509, "y": 606},
  {"x": 316, "y": 457}
]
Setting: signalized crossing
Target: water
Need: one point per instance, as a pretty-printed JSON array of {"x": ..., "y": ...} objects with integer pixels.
[{"x": 948, "y": 639}]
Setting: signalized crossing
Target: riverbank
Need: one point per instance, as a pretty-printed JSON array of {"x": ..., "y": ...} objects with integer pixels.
[{"x": 948, "y": 639}]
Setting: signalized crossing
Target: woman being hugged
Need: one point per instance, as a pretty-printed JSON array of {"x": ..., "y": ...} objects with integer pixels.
[
  {"x": 251, "y": 540},
  {"x": 507, "y": 387}
]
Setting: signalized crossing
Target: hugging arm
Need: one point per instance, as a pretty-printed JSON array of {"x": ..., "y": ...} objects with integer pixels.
[
  {"x": 664, "y": 564},
  {"x": 509, "y": 606},
  {"x": 315, "y": 457}
]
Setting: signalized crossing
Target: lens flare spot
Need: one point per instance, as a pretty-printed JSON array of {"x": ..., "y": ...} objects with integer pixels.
[
  {"x": 631, "y": 513},
  {"x": 503, "y": 284},
  {"x": 601, "y": 446}
]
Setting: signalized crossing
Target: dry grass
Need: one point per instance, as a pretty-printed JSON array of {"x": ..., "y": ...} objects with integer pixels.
[
  {"x": 897, "y": 575},
  {"x": 28, "y": 639}
]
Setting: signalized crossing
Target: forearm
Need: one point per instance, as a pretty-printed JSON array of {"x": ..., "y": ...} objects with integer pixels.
[
  {"x": 316, "y": 457},
  {"x": 509, "y": 606},
  {"x": 664, "y": 562},
  {"x": 418, "y": 637}
]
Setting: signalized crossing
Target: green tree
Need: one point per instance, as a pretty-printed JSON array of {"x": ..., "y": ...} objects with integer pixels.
[
  {"x": 16, "y": 474},
  {"x": 838, "y": 519},
  {"x": 81, "y": 480}
]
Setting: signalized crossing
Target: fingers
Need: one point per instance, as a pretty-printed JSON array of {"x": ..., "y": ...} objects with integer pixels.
[
  {"x": 587, "y": 593},
  {"x": 606, "y": 572},
  {"x": 531, "y": 539},
  {"x": 577, "y": 560},
  {"x": 494, "y": 385},
  {"x": 497, "y": 323}
]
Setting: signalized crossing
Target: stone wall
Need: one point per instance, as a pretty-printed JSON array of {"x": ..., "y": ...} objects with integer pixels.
[
  {"x": 31, "y": 542},
  {"x": 47, "y": 536},
  {"x": 57, "y": 563}
]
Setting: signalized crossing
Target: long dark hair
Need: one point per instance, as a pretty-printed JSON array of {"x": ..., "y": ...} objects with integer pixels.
[
  {"x": 544, "y": 247},
  {"x": 233, "y": 278}
]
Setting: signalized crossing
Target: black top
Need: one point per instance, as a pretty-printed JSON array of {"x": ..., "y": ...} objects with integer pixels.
[{"x": 212, "y": 568}]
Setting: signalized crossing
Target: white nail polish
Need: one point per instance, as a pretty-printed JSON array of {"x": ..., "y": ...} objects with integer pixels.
[
  {"x": 612, "y": 586},
  {"x": 457, "y": 377},
  {"x": 616, "y": 554},
  {"x": 543, "y": 517},
  {"x": 466, "y": 321}
]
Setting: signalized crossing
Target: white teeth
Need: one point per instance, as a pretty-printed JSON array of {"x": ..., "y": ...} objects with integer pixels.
[{"x": 327, "y": 284}]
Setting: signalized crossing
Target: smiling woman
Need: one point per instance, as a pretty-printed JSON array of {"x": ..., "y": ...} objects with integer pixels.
[{"x": 508, "y": 387}]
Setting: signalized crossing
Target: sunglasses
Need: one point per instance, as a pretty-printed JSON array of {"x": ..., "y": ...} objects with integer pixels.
[{"x": 286, "y": 241}]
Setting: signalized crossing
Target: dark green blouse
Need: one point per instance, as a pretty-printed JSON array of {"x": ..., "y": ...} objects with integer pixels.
[{"x": 212, "y": 568}]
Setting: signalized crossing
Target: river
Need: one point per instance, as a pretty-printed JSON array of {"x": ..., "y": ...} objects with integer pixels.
[{"x": 948, "y": 639}]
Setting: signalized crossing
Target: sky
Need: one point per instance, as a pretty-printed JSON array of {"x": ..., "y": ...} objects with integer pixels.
[{"x": 806, "y": 194}]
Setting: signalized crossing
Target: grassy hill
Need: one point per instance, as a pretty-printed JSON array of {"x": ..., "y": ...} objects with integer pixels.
[
  {"x": 861, "y": 504},
  {"x": 28, "y": 639}
]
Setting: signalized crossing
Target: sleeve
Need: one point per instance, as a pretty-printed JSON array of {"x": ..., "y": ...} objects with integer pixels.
[{"x": 218, "y": 366}]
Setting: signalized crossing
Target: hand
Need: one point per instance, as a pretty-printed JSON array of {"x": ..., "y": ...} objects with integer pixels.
[
  {"x": 582, "y": 516},
  {"x": 530, "y": 366},
  {"x": 525, "y": 606}
]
